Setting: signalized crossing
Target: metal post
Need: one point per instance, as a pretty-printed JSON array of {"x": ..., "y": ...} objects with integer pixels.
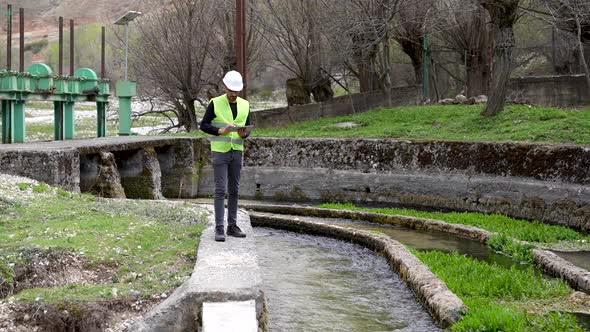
[
  {"x": 126, "y": 48},
  {"x": 58, "y": 109},
  {"x": 102, "y": 52},
  {"x": 425, "y": 66},
  {"x": 6, "y": 122},
  {"x": 9, "y": 38},
  {"x": 21, "y": 18},
  {"x": 124, "y": 116},
  {"x": 240, "y": 42},
  {"x": 72, "y": 61},
  {"x": 553, "y": 53},
  {"x": 101, "y": 119},
  {"x": 68, "y": 132},
  {"x": 61, "y": 46},
  {"x": 18, "y": 122},
  {"x": 58, "y": 120}
]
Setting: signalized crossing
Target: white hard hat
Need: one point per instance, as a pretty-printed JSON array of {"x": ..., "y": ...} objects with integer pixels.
[{"x": 233, "y": 81}]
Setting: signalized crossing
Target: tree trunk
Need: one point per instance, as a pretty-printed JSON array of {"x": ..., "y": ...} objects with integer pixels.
[
  {"x": 478, "y": 74},
  {"x": 322, "y": 89},
  {"x": 413, "y": 48},
  {"x": 504, "y": 42},
  {"x": 478, "y": 57},
  {"x": 187, "y": 117},
  {"x": 296, "y": 92},
  {"x": 581, "y": 48}
]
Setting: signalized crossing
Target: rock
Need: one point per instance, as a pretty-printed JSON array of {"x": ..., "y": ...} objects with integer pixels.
[
  {"x": 447, "y": 101},
  {"x": 345, "y": 125},
  {"x": 471, "y": 101},
  {"x": 461, "y": 99},
  {"x": 481, "y": 99}
]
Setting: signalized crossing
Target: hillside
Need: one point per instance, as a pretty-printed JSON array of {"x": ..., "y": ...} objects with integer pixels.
[{"x": 41, "y": 19}]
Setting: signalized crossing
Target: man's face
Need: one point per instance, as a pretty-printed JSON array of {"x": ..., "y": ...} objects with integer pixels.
[{"x": 231, "y": 95}]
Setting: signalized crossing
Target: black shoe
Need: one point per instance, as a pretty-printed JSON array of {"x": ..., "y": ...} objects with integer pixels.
[
  {"x": 219, "y": 234},
  {"x": 235, "y": 231}
]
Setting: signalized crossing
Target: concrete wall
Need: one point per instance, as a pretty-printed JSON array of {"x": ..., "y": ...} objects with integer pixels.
[
  {"x": 532, "y": 181},
  {"x": 344, "y": 105},
  {"x": 147, "y": 167},
  {"x": 559, "y": 91}
]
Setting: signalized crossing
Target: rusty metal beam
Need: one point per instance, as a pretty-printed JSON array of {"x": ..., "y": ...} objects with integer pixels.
[
  {"x": 72, "y": 44},
  {"x": 240, "y": 42},
  {"x": 60, "y": 65},
  {"x": 102, "y": 51},
  {"x": 21, "y": 18},
  {"x": 9, "y": 38}
]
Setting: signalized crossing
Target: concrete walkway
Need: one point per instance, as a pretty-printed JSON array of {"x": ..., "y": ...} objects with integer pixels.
[{"x": 226, "y": 275}]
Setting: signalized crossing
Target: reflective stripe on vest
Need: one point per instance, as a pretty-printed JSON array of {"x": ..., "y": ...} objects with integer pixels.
[{"x": 223, "y": 117}]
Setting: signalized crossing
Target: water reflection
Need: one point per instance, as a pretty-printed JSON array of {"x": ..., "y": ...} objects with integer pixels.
[
  {"x": 320, "y": 284},
  {"x": 428, "y": 240},
  {"x": 578, "y": 258}
]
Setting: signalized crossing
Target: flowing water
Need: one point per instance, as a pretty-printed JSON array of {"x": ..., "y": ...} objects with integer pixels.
[
  {"x": 426, "y": 240},
  {"x": 578, "y": 258},
  {"x": 320, "y": 284}
]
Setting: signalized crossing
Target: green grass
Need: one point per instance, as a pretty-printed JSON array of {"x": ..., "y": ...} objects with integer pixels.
[
  {"x": 151, "y": 247},
  {"x": 530, "y": 231},
  {"x": 48, "y": 105},
  {"x": 500, "y": 298},
  {"x": 453, "y": 122}
]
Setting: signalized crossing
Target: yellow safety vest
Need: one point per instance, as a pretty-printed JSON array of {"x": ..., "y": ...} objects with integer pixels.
[{"x": 223, "y": 117}]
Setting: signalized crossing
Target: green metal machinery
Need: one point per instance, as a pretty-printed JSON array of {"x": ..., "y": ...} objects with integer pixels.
[{"x": 39, "y": 83}]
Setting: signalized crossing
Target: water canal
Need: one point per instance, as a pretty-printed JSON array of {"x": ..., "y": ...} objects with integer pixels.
[{"x": 320, "y": 284}]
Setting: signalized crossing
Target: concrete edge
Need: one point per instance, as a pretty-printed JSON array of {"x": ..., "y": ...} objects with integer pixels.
[
  {"x": 471, "y": 232},
  {"x": 444, "y": 306},
  {"x": 181, "y": 311},
  {"x": 577, "y": 277}
]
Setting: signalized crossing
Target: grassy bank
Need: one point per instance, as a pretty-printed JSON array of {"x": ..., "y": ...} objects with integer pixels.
[
  {"x": 115, "y": 248},
  {"x": 453, "y": 122},
  {"x": 502, "y": 299},
  {"x": 530, "y": 231},
  {"x": 507, "y": 228}
]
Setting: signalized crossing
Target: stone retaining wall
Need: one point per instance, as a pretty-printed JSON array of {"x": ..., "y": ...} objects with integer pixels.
[
  {"x": 445, "y": 307},
  {"x": 530, "y": 181}
]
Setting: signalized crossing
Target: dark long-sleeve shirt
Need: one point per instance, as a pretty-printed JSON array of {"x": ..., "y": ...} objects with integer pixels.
[{"x": 210, "y": 129}]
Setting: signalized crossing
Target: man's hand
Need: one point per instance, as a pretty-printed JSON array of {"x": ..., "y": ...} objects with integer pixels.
[
  {"x": 243, "y": 132},
  {"x": 225, "y": 130}
]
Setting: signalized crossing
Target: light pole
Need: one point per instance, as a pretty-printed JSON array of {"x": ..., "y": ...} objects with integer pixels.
[
  {"x": 124, "y": 20},
  {"x": 126, "y": 89}
]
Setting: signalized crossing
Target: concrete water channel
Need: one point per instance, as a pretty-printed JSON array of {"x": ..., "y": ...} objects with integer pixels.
[{"x": 157, "y": 167}]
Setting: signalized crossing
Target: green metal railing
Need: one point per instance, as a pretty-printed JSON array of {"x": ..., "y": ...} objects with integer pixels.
[{"x": 39, "y": 83}]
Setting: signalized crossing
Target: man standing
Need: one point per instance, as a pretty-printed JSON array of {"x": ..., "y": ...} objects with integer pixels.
[{"x": 223, "y": 114}]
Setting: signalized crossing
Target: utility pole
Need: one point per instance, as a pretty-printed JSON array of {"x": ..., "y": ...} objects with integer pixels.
[{"x": 240, "y": 43}]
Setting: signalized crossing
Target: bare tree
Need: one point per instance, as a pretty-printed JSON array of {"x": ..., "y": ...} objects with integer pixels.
[
  {"x": 368, "y": 26},
  {"x": 463, "y": 26},
  {"x": 410, "y": 28},
  {"x": 174, "y": 55},
  {"x": 573, "y": 17},
  {"x": 503, "y": 14},
  {"x": 294, "y": 38}
]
